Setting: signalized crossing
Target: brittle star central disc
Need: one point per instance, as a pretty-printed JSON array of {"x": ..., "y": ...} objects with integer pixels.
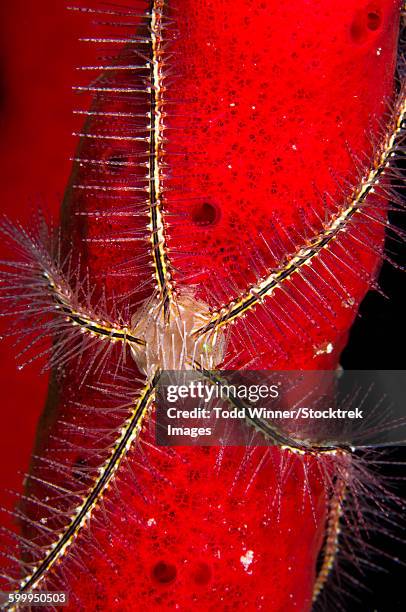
[{"x": 169, "y": 338}]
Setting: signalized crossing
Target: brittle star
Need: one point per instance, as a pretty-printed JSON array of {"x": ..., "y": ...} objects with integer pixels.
[{"x": 174, "y": 331}]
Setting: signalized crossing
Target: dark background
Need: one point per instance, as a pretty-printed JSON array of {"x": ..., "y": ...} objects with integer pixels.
[{"x": 378, "y": 341}]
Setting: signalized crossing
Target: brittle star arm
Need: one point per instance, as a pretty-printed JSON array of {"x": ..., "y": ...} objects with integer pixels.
[
  {"x": 269, "y": 430},
  {"x": 39, "y": 286},
  {"x": 158, "y": 240},
  {"x": 82, "y": 513},
  {"x": 331, "y": 544},
  {"x": 313, "y": 247},
  {"x": 86, "y": 320},
  {"x": 338, "y": 493}
]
